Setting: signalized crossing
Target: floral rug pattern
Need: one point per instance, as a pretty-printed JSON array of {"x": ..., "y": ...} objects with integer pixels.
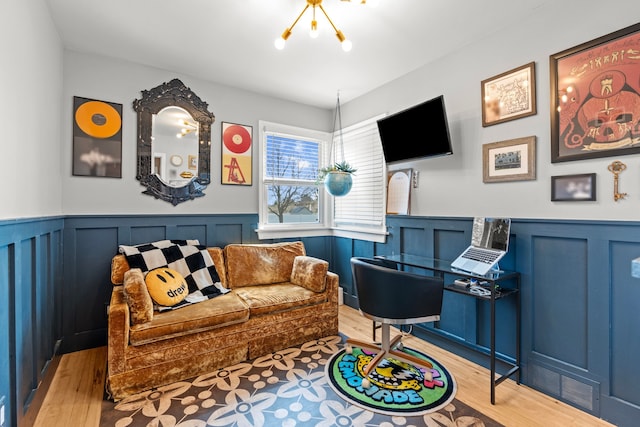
[{"x": 287, "y": 388}]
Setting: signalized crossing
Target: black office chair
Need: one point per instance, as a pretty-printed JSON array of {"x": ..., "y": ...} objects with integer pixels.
[{"x": 392, "y": 297}]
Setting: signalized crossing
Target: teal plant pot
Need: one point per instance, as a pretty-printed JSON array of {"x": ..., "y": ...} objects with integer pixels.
[{"x": 338, "y": 183}]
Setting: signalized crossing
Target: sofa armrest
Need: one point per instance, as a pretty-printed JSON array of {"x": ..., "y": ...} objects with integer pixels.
[
  {"x": 118, "y": 330},
  {"x": 333, "y": 285},
  {"x": 137, "y": 297},
  {"x": 310, "y": 273}
]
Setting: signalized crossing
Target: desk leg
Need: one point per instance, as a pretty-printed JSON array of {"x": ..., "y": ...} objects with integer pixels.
[{"x": 518, "y": 336}]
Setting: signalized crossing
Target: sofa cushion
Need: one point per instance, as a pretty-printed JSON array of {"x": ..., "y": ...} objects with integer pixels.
[
  {"x": 251, "y": 265},
  {"x": 277, "y": 297},
  {"x": 137, "y": 296},
  {"x": 310, "y": 273},
  {"x": 224, "y": 310}
]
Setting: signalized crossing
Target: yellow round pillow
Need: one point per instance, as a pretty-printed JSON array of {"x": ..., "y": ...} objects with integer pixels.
[{"x": 166, "y": 286}]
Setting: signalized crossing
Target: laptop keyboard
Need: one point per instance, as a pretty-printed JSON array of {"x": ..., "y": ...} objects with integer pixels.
[{"x": 479, "y": 255}]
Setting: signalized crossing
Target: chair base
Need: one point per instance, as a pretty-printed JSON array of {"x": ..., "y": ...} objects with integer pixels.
[{"x": 387, "y": 348}]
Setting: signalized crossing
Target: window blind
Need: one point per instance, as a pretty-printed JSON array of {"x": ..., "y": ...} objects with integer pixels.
[{"x": 364, "y": 206}]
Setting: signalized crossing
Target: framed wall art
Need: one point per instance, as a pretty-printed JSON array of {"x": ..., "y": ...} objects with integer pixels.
[
  {"x": 237, "y": 144},
  {"x": 97, "y": 138},
  {"x": 573, "y": 188},
  {"x": 511, "y": 160},
  {"x": 595, "y": 98},
  {"x": 509, "y": 96},
  {"x": 193, "y": 162}
]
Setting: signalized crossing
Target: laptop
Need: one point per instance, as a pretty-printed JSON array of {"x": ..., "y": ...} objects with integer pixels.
[{"x": 489, "y": 243}]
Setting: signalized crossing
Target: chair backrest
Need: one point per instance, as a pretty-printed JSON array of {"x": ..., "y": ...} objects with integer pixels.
[{"x": 387, "y": 293}]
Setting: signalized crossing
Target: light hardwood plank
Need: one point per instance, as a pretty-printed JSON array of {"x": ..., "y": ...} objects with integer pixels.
[{"x": 76, "y": 392}]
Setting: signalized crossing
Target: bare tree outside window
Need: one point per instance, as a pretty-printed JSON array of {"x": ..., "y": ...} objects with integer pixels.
[{"x": 291, "y": 168}]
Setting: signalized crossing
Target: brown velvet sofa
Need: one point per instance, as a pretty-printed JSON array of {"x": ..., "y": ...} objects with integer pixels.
[{"x": 278, "y": 298}]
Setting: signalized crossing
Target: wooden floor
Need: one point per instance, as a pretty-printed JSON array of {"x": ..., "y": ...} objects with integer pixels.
[{"x": 76, "y": 391}]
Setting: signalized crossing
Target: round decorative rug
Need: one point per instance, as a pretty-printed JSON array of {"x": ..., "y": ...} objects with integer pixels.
[{"x": 397, "y": 388}]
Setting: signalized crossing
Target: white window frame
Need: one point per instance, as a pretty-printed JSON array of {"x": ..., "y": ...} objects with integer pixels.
[{"x": 290, "y": 230}]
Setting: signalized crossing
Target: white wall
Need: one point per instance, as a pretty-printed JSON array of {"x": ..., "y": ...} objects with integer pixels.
[
  {"x": 116, "y": 81},
  {"x": 452, "y": 186},
  {"x": 36, "y": 111},
  {"x": 30, "y": 117}
]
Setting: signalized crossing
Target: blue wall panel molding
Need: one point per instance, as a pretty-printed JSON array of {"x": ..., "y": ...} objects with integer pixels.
[
  {"x": 30, "y": 281},
  {"x": 579, "y": 304},
  {"x": 91, "y": 241}
]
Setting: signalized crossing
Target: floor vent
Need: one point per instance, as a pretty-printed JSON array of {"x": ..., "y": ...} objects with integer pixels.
[{"x": 578, "y": 391}]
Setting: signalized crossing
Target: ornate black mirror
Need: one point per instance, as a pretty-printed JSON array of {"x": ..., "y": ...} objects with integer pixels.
[{"x": 174, "y": 142}]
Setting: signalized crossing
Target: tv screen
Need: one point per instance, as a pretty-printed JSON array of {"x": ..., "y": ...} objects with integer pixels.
[{"x": 417, "y": 132}]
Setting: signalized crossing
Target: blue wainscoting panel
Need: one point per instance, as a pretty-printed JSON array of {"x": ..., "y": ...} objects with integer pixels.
[
  {"x": 342, "y": 251},
  {"x": 88, "y": 252},
  {"x": 561, "y": 287},
  {"x": 624, "y": 384},
  {"x": 30, "y": 263},
  {"x": 579, "y": 303},
  {"x": 92, "y": 241},
  {"x": 7, "y": 331},
  {"x": 579, "y": 306},
  {"x": 144, "y": 233}
]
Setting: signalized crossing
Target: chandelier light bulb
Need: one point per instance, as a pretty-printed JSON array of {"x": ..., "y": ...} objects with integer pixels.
[
  {"x": 314, "y": 29},
  {"x": 279, "y": 43},
  {"x": 347, "y": 45}
]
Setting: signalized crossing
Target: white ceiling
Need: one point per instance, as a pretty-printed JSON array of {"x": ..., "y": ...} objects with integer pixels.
[{"x": 231, "y": 42}]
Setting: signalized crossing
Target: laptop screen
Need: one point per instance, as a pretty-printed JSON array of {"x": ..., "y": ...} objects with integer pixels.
[{"x": 491, "y": 233}]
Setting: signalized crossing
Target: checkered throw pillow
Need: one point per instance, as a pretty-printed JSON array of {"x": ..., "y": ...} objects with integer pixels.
[{"x": 187, "y": 257}]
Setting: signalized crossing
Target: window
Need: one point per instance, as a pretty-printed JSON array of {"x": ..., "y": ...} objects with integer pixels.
[
  {"x": 291, "y": 202},
  {"x": 290, "y": 199}
]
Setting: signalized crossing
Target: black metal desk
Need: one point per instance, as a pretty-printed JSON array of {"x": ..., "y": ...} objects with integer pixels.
[{"x": 442, "y": 267}]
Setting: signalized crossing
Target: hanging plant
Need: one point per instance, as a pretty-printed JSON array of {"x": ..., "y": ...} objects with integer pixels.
[
  {"x": 342, "y": 166},
  {"x": 337, "y": 178}
]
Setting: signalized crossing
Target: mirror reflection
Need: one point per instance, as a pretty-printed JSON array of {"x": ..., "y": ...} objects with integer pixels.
[
  {"x": 174, "y": 142},
  {"x": 175, "y": 146}
]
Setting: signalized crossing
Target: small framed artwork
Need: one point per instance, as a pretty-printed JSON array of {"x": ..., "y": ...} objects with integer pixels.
[
  {"x": 237, "y": 144},
  {"x": 399, "y": 192},
  {"x": 511, "y": 160},
  {"x": 573, "y": 188},
  {"x": 509, "y": 96},
  {"x": 595, "y": 98},
  {"x": 193, "y": 162},
  {"x": 97, "y": 138}
]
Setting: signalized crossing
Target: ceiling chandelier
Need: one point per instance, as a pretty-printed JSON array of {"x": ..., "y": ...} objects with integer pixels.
[
  {"x": 346, "y": 44},
  {"x": 186, "y": 128}
]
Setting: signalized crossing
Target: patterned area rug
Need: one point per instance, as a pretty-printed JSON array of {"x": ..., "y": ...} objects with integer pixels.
[
  {"x": 287, "y": 388},
  {"x": 396, "y": 388}
]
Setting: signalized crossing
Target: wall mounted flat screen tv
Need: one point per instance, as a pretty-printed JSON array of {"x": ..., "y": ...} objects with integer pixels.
[{"x": 418, "y": 132}]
